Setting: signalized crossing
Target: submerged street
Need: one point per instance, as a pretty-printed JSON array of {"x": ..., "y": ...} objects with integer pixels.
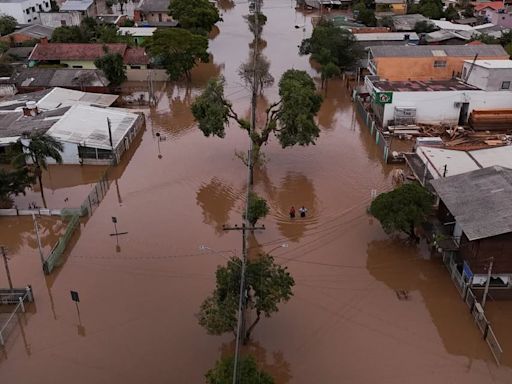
[{"x": 347, "y": 321}]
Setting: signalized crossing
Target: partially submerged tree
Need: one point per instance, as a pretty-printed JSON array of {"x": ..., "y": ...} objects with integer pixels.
[
  {"x": 402, "y": 209},
  {"x": 267, "y": 284},
  {"x": 330, "y": 45},
  {"x": 113, "y": 66},
  {"x": 178, "y": 50},
  {"x": 222, "y": 373},
  {"x": 7, "y": 24},
  {"x": 40, "y": 147},
  {"x": 198, "y": 16},
  {"x": 12, "y": 183},
  {"x": 290, "y": 119},
  {"x": 256, "y": 22},
  {"x": 257, "y": 208}
]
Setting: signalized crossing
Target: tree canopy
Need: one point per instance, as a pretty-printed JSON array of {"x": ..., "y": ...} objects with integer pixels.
[
  {"x": 89, "y": 31},
  {"x": 365, "y": 15},
  {"x": 257, "y": 209},
  {"x": 198, "y": 16},
  {"x": 433, "y": 9},
  {"x": 7, "y": 24},
  {"x": 178, "y": 50},
  {"x": 113, "y": 66},
  {"x": 403, "y": 208},
  {"x": 222, "y": 373},
  {"x": 291, "y": 118},
  {"x": 267, "y": 285},
  {"x": 332, "y": 45},
  {"x": 13, "y": 183},
  {"x": 424, "y": 26}
]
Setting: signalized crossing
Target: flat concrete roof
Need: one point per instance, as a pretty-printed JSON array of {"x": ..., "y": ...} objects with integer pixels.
[
  {"x": 87, "y": 125},
  {"x": 140, "y": 31},
  {"x": 456, "y": 162},
  {"x": 489, "y": 157},
  {"x": 387, "y": 36},
  {"x": 423, "y": 86}
]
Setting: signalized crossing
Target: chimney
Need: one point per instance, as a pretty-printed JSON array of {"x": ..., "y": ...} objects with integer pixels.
[{"x": 30, "y": 109}]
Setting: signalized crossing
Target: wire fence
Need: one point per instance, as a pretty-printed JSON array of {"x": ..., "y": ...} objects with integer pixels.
[
  {"x": 475, "y": 309},
  {"x": 98, "y": 192},
  {"x": 17, "y": 297}
]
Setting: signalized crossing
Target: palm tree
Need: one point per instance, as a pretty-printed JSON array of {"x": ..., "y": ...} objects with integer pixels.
[{"x": 40, "y": 147}]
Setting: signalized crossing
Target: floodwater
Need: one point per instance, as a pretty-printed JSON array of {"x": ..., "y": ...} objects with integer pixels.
[{"x": 348, "y": 321}]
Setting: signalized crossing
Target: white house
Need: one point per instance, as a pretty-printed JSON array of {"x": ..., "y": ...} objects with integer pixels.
[
  {"x": 24, "y": 11},
  {"x": 431, "y": 102},
  {"x": 490, "y": 75}
]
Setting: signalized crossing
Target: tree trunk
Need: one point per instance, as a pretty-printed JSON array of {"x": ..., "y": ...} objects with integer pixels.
[
  {"x": 249, "y": 330},
  {"x": 40, "y": 178}
]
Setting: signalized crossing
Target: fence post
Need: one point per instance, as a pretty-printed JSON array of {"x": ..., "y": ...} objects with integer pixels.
[
  {"x": 2, "y": 339},
  {"x": 486, "y": 331},
  {"x": 21, "y": 304},
  {"x": 29, "y": 294}
]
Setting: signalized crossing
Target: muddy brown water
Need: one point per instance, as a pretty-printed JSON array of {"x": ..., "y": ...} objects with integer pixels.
[{"x": 345, "y": 323}]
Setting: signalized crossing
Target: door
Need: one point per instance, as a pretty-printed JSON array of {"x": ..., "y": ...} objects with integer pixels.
[{"x": 463, "y": 116}]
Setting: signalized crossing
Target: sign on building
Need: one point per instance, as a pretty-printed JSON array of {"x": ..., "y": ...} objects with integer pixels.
[{"x": 383, "y": 97}]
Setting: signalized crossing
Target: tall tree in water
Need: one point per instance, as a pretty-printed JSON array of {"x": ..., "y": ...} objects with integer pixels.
[
  {"x": 198, "y": 16},
  {"x": 402, "y": 209},
  {"x": 178, "y": 50},
  {"x": 267, "y": 285},
  {"x": 222, "y": 373},
  {"x": 331, "y": 47},
  {"x": 40, "y": 147},
  {"x": 291, "y": 118}
]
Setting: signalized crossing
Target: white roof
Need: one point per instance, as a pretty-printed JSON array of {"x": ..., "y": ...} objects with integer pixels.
[
  {"x": 387, "y": 36},
  {"x": 443, "y": 24},
  {"x": 88, "y": 126},
  {"x": 76, "y": 5},
  {"x": 456, "y": 162},
  {"x": 61, "y": 97},
  {"x": 134, "y": 31},
  {"x": 501, "y": 156},
  {"x": 492, "y": 63}
]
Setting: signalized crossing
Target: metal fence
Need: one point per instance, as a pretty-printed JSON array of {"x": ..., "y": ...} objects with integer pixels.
[
  {"x": 14, "y": 296},
  {"x": 475, "y": 309},
  {"x": 93, "y": 199},
  {"x": 58, "y": 249},
  {"x": 372, "y": 125}
]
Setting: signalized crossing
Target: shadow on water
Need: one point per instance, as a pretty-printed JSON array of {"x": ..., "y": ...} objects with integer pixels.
[
  {"x": 276, "y": 366},
  {"x": 216, "y": 200},
  {"x": 407, "y": 270}
]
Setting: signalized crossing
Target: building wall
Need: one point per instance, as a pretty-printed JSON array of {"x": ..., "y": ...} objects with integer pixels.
[
  {"x": 478, "y": 252},
  {"x": 58, "y": 19},
  {"x": 422, "y": 68},
  {"x": 501, "y": 19},
  {"x": 152, "y": 17},
  {"x": 439, "y": 107},
  {"x": 79, "y": 63},
  {"x": 490, "y": 79},
  {"x": 17, "y": 39},
  {"x": 19, "y": 10}
]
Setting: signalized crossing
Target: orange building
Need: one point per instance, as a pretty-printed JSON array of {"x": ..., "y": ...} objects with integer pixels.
[{"x": 426, "y": 62}]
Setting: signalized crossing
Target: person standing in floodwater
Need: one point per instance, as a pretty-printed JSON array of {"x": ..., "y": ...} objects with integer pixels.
[
  {"x": 292, "y": 212},
  {"x": 303, "y": 211}
]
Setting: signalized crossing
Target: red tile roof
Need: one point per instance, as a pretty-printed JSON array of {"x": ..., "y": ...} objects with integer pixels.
[
  {"x": 85, "y": 52},
  {"x": 496, "y": 5},
  {"x": 135, "y": 56}
]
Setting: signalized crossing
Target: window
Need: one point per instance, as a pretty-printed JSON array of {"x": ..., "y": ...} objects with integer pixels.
[
  {"x": 160, "y": 17},
  {"x": 63, "y": 23},
  {"x": 33, "y": 9},
  {"x": 77, "y": 66},
  {"x": 505, "y": 85},
  {"x": 135, "y": 66},
  {"x": 27, "y": 10},
  {"x": 439, "y": 64}
]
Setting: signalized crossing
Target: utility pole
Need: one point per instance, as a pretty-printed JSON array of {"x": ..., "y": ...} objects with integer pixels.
[
  {"x": 487, "y": 283},
  {"x": 241, "y": 299},
  {"x": 2, "y": 249},
  {"x": 114, "y": 156}
]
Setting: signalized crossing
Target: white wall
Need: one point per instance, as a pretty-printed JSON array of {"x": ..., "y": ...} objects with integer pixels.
[
  {"x": 490, "y": 79},
  {"x": 54, "y": 19},
  {"x": 18, "y": 10},
  {"x": 69, "y": 154},
  {"x": 438, "y": 107}
]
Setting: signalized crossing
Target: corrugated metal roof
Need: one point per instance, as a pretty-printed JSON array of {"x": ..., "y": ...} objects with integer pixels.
[
  {"x": 76, "y": 5},
  {"x": 479, "y": 200},
  {"x": 427, "y": 50}
]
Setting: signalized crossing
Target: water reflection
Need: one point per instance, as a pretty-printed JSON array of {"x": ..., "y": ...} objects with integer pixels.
[
  {"x": 216, "y": 200},
  {"x": 226, "y": 5},
  {"x": 402, "y": 268},
  {"x": 276, "y": 366}
]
